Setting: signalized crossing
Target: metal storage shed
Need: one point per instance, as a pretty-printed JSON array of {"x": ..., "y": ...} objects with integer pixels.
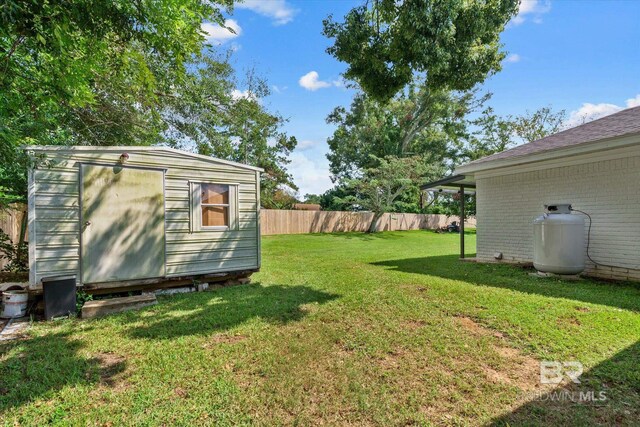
[{"x": 120, "y": 217}]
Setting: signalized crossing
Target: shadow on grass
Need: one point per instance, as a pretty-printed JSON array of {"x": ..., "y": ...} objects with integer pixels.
[
  {"x": 385, "y": 235},
  {"x": 40, "y": 366},
  {"x": 351, "y": 235},
  {"x": 222, "y": 309},
  {"x": 621, "y": 295},
  {"x": 617, "y": 378},
  {"x": 36, "y": 367}
]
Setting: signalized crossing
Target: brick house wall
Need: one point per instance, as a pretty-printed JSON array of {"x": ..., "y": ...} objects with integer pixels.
[{"x": 606, "y": 185}]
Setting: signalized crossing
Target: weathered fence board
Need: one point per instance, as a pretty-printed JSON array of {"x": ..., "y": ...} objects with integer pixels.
[
  {"x": 10, "y": 220},
  {"x": 274, "y": 221}
]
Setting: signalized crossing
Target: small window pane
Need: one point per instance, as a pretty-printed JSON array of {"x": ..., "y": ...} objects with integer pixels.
[
  {"x": 215, "y": 216},
  {"x": 215, "y": 194}
]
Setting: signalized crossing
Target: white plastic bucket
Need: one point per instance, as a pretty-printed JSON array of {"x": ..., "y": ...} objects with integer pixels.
[{"x": 15, "y": 304}]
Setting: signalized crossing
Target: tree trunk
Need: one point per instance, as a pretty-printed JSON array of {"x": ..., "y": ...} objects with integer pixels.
[{"x": 373, "y": 227}]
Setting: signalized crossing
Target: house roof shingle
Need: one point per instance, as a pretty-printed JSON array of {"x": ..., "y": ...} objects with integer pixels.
[{"x": 625, "y": 122}]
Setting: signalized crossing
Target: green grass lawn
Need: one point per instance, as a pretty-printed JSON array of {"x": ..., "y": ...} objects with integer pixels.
[{"x": 389, "y": 329}]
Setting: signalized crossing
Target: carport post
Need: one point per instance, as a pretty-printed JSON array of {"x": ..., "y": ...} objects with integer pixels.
[{"x": 461, "y": 221}]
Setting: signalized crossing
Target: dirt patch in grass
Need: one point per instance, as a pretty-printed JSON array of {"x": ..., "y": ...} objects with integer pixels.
[
  {"x": 415, "y": 324},
  {"x": 472, "y": 326},
  {"x": 225, "y": 339},
  {"x": 180, "y": 392},
  {"x": 310, "y": 308},
  {"x": 521, "y": 370},
  {"x": 477, "y": 329},
  {"x": 496, "y": 377},
  {"x": 392, "y": 360},
  {"x": 568, "y": 321},
  {"x": 111, "y": 368}
]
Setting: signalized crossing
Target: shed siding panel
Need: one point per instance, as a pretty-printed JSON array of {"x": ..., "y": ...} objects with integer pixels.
[
  {"x": 609, "y": 190},
  {"x": 57, "y": 213}
]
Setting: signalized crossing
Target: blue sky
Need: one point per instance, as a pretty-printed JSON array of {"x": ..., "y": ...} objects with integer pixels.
[{"x": 582, "y": 56}]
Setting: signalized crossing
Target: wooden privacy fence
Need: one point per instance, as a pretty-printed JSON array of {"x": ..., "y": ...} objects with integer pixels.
[
  {"x": 10, "y": 220},
  {"x": 274, "y": 221}
]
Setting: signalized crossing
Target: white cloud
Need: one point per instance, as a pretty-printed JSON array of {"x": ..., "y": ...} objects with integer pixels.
[
  {"x": 305, "y": 144},
  {"x": 588, "y": 111},
  {"x": 279, "y": 89},
  {"x": 311, "y": 176},
  {"x": 278, "y": 10},
  {"x": 215, "y": 33},
  {"x": 272, "y": 142},
  {"x": 311, "y": 81},
  {"x": 514, "y": 57},
  {"x": 634, "y": 102},
  {"x": 239, "y": 94},
  {"x": 533, "y": 9}
]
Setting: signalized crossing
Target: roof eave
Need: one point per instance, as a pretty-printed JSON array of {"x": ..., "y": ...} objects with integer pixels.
[
  {"x": 584, "y": 148},
  {"x": 140, "y": 148}
]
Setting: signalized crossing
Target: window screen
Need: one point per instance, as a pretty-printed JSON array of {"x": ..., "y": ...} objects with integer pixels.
[{"x": 215, "y": 205}]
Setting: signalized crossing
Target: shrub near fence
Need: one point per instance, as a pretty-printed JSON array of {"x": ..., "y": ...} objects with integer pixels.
[{"x": 274, "y": 221}]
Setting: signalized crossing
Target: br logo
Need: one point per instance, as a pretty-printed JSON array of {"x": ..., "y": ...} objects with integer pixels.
[{"x": 554, "y": 372}]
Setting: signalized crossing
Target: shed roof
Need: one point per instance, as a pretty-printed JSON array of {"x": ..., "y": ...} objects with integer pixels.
[
  {"x": 140, "y": 148},
  {"x": 623, "y": 123}
]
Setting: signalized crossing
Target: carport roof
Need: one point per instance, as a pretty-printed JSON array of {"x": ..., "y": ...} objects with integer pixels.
[{"x": 452, "y": 182}]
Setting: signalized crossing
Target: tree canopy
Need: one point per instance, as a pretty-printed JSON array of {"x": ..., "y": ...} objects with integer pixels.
[
  {"x": 103, "y": 72},
  {"x": 434, "y": 131},
  {"x": 455, "y": 44},
  {"x": 379, "y": 187},
  {"x": 417, "y": 121},
  {"x": 492, "y": 133}
]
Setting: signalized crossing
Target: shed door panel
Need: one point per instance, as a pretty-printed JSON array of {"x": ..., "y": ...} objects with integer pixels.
[{"x": 122, "y": 224}]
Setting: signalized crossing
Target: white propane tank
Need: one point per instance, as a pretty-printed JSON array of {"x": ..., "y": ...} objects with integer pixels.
[{"x": 558, "y": 241}]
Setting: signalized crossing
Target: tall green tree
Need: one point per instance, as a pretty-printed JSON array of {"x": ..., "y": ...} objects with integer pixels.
[
  {"x": 454, "y": 43},
  {"x": 381, "y": 186},
  {"x": 492, "y": 133},
  {"x": 315, "y": 199},
  {"x": 534, "y": 125},
  {"x": 418, "y": 121},
  {"x": 103, "y": 72},
  {"x": 443, "y": 129},
  {"x": 90, "y": 71},
  {"x": 209, "y": 115}
]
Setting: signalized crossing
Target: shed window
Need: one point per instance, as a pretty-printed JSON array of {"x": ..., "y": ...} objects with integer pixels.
[
  {"x": 214, "y": 202},
  {"x": 213, "y": 206}
]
